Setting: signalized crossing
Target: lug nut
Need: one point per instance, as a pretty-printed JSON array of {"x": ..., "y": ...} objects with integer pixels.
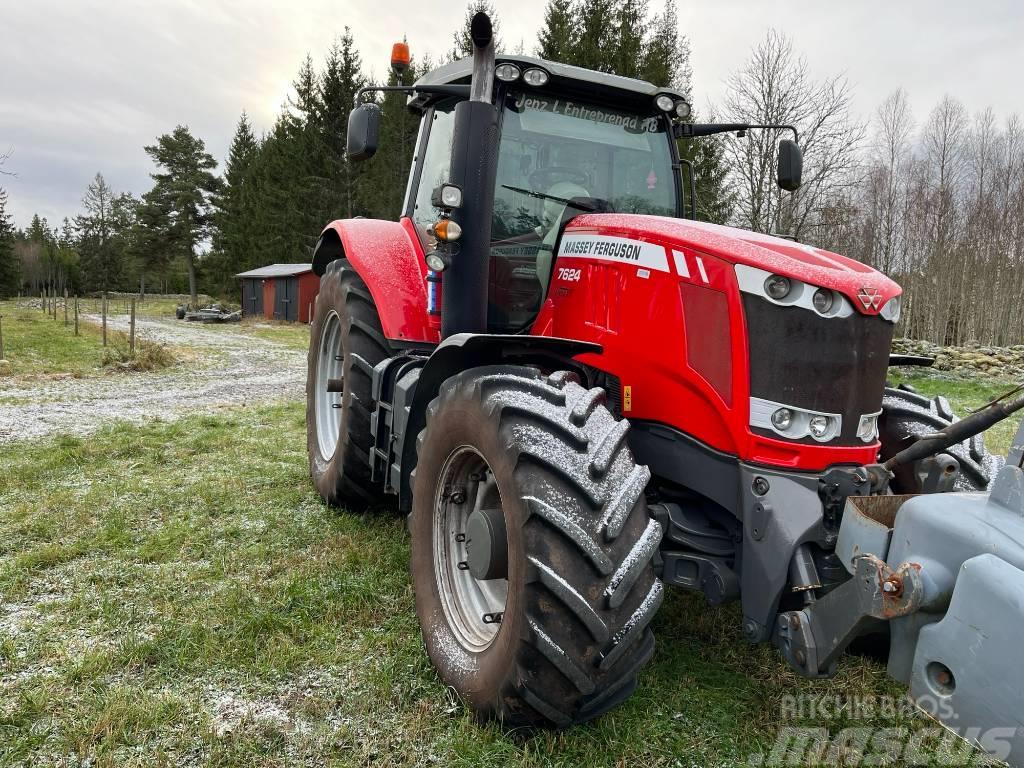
[
  {"x": 794, "y": 621},
  {"x": 458, "y": 497}
]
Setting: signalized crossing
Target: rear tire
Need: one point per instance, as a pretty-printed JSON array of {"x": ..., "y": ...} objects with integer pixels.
[
  {"x": 580, "y": 585},
  {"x": 345, "y": 342},
  {"x": 906, "y": 415}
]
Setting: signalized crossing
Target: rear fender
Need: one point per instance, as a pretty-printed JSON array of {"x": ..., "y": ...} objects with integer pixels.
[{"x": 388, "y": 257}]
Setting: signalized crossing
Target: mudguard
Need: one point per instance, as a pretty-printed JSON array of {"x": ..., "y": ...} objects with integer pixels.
[{"x": 388, "y": 257}]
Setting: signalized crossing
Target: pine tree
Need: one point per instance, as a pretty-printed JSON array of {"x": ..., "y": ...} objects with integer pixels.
[
  {"x": 463, "y": 40},
  {"x": 10, "y": 268},
  {"x": 557, "y": 39},
  {"x": 185, "y": 183}
]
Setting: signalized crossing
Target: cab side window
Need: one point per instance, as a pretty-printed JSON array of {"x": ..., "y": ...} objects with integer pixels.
[{"x": 436, "y": 165}]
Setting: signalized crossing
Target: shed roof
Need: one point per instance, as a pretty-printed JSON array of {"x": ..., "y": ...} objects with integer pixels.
[{"x": 278, "y": 270}]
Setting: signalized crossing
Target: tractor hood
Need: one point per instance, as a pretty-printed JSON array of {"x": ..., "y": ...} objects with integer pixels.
[{"x": 739, "y": 246}]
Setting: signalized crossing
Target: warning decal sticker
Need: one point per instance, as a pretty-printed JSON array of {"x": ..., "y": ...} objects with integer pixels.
[{"x": 613, "y": 249}]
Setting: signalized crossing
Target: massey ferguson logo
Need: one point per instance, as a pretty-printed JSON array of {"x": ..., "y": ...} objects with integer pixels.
[{"x": 871, "y": 298}]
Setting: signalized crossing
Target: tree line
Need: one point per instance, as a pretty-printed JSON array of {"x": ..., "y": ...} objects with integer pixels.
[{"x": 938, "y": 206}]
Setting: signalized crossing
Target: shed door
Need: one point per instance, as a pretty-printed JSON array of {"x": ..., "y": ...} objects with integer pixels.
[
  {"x": 286, "y": 298},
  {"x": 252, "y": 297}
]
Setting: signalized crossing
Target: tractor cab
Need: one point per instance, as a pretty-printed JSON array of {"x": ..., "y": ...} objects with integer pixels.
[{"x": 571, "y": 141}]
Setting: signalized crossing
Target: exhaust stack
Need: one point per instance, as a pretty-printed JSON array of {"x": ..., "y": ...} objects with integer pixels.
[{"x": 474, "y": 167}]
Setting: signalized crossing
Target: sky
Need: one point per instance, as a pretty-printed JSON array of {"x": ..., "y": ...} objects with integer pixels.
[{"x": 85, "y": 85}]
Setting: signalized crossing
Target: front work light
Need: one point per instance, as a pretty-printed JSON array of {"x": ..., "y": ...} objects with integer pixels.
[
  {"x": 436, "y": 261},
  {"x": 664, "y": 102},
  {"x": 682, "y": 109},
  {"x": 507, "y": 73},
  {"x": 446, "y": 196},
  {"x": 535, "y": 77}
]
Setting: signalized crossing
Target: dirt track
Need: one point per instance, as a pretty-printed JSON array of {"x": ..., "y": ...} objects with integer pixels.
[{"x": 234, "y": 369}]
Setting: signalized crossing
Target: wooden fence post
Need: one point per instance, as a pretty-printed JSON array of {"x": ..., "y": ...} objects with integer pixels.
[
  {"x": 2, "y": 338},
  {"x": 76, "y": 314},
  {"x": 65, "y": 307},
  {"x": 131, "y": 329},
  {"x": 104, "y": 311}
]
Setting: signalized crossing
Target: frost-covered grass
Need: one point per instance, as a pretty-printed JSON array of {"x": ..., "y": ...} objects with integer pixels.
[{"x": 176, "y": 594}]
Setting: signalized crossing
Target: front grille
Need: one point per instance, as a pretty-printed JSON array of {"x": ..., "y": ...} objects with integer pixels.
[{"x": 828, "y": 365}]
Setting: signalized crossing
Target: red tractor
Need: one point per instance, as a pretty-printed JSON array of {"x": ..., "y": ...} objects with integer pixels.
[{"x": 580, "y": 394}]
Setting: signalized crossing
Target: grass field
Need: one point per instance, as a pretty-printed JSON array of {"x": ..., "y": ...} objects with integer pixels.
[{"x": 176, "y": 594}]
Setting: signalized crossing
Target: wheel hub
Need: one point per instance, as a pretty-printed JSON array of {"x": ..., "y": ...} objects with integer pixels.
[
  {"x": 487, "y": 544},
  {"x": 329, "y": 387},
  {"x": 470, "y": 549}
]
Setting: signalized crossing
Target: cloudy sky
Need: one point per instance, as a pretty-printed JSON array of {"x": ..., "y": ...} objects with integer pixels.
[{"x": 84, "y": 84}]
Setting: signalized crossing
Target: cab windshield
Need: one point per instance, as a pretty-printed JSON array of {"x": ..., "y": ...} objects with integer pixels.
[{"x": 556, "y": 157}]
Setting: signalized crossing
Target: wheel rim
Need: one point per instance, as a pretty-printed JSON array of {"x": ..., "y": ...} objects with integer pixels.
[
  {"x": 466, "y": 485},
  {"x": 328, "y": 404}
]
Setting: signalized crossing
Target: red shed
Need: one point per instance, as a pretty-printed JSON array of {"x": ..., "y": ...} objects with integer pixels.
[{"x": 279, "y": 291}]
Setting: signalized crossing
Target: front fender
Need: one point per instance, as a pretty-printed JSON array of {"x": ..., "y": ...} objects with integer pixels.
[{"x": 388, "y": 257}]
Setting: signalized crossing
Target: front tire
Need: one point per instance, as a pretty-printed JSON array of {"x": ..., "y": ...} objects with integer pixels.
[
  {"x": 905, "y": 416},
  {"x": 578, "y": 590},
  {"x": 345, "y": 343}
]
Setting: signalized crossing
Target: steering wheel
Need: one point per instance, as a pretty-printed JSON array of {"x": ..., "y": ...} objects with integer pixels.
[{"x": 543, "y": 178}]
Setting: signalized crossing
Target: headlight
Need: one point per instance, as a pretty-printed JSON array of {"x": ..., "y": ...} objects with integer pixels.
[
  {"x": 664, "y": 102},
  {"x": 818, "y": 426},
  {"x": 782, "y": 419},
  {"x": 507, "y": 72},
  {"x": 891, "y": 310},
  {"x": 823, "y": 301},
  {"x": 778, "y": 287},
  {"x": 682, "y": 109}
]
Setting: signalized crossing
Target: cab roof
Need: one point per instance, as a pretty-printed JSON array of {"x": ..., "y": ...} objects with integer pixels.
[{"x": 566, "y": 80}]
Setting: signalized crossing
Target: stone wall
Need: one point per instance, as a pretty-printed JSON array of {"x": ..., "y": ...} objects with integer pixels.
[{"x": 970, "y": 359}]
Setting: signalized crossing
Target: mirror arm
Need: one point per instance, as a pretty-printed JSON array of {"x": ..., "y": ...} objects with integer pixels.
[
  {"x": 462, "y": 91},
  {"x": 694, "y": 130}
]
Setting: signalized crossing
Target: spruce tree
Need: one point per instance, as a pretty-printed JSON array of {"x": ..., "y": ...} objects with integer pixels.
[
  {"x": 232, "y": 234},
  {"x": 342, "y": 78},
  {"x": 10, "y": 268},
  {"x": 101, "y": 260},
  {"x": 557, "y": 38}
]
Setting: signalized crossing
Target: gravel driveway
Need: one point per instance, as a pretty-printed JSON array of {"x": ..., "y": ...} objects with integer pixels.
[{"x": 243, "y": 369}]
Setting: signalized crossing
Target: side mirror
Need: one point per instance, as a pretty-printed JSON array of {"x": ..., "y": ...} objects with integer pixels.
[
  {"x": 791, "y": 165},
  {"x": 363, "y": 132}
]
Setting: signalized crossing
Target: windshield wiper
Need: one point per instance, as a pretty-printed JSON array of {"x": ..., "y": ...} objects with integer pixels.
[{"x": 575, "y": 203}]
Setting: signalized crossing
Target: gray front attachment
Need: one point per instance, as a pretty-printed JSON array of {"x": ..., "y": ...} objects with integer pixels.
[{"x": 946, "y": 572}]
